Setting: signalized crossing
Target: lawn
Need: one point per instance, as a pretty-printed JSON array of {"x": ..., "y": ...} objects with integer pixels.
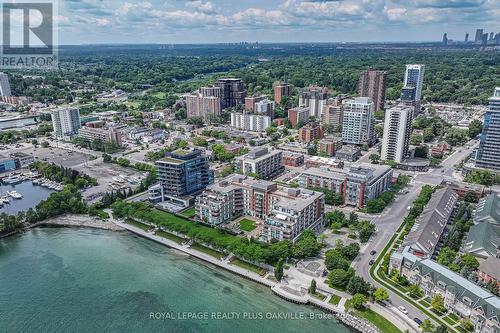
[
  {"x": 454, "y": 317},
  {"x": 319, "y": 296},
  {"x": 207, "y": 250},
  {"x": 335, "y": 299},
  {"x": 249, "y": 266},
  {"x": 139, "y": 225},
  {"x": 247, "y": 225},
  {"x": 449, "y": 320},
  {"x": 190, "y": 212},
  {"x": 380, "y": 322},
  {"x": 170, "y": 236}
]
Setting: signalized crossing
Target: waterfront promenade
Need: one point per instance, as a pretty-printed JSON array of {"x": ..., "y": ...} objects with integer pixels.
[{"x": 284, "y": 290}]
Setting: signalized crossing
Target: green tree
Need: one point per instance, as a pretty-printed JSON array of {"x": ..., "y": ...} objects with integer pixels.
[
  {"x": 358, "y": 301},
  {"x": 381, "y": 295},
  {"x": 278, "y": 272},
  {"x": 446, "y": 256},
  {"x": 374, "y": 158},
  {"x": 312, "y": 287},
  {"x": 416, "y": 139},
  {"x": 437, "y": 303},
  {"x": 475, "y": 127},
  {"x": 415, "y": 291},
  {"x": 470, "y": 261},
  {"x": 357, "y": 285},
  {"x": 427, "y": 326},
  {"x": 338, "y": 278}
]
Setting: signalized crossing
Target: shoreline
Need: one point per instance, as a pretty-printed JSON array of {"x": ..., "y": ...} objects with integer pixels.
[
  {"x": 69, "y": 221},
  {"x": 352, "y": 322}
]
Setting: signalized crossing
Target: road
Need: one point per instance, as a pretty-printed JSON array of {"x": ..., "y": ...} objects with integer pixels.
[
  {"x": 392, "y": 217},
  {"x": 387, "y": 224}
]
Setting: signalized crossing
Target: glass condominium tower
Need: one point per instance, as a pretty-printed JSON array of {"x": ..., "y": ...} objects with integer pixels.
[{"x": 488, "y": 154}]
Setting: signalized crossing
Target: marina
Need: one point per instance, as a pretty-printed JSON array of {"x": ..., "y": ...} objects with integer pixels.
[{"x": 23, "y": 195}]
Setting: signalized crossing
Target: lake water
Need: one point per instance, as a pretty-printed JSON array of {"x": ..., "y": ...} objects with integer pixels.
[
  {"x": 32, "y": 195},
  {"x": 82, "y": 280}
]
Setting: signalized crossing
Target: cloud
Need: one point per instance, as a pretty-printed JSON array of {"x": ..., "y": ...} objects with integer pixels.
[
  {"x": 205, "y": 7},
  {"x": 157, "y": 17}
]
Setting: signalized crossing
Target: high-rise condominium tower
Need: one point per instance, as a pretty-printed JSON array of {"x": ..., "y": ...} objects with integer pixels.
[
  {"x": 397, "y": 132},
  {"x": 488, "y": 154},
  {"x": 372, "y": 83}
]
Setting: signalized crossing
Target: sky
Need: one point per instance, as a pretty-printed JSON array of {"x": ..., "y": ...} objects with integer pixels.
[{"x": 219, "y": 21}]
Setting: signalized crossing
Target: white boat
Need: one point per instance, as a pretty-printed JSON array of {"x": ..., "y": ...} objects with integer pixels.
[
  {"x": 4, "y": 200},
  {"x": 36, "y": 181},
  {"x": 15, "y": 194},
  {"x": 13, "y": 179}
]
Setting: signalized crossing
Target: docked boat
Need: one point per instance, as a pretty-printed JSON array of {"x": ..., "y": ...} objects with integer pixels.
[
  {"x": 15, "y": 194},
  {"x": 15, "y": 179}
]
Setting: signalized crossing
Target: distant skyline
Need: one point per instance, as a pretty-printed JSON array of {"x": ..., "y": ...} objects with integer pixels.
[{"x": 220, "y": 21}]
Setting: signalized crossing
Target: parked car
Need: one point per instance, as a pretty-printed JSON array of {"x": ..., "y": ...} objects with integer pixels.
[
  {"x": 418, "y": 321},
  {"x": 372, "y": 252},
  {"x": 371, "y": 262},
  {"x": 403, "y": 309}
]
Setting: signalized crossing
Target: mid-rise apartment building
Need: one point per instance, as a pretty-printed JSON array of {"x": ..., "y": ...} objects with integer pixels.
[
  {"x": 358, "y": 126},
  {"x": 111, "y": 134},
  {"x": 281, "y": 90},
  {"x": 182, "y": 172},
  {"x": 314, "y": 98},
  {"x": 310, "y": 132},
  {"x": 397, "y": 133},
  {"x": 66, "y": 123},
  {"x": 251, "y": 100},
  {"x": 205, "y": 103},
  {"x": 488, "y": 154},
  {"x": 250, "y": 122},
  {"x": 265, "y": 163},
  {"x": 265, "y": 107},
  {"x": 333, "y": 115},
  {"x": 372, "y": 83},
  {"x": 286, "y": 212},
  {"x": 357, "y": 184},
  {"x": 298, "y": 116},
  {"x": 329, "y": 146}
]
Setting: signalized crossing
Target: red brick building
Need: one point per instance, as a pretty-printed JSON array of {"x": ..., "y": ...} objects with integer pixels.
[{"x": 310, "y": 132}]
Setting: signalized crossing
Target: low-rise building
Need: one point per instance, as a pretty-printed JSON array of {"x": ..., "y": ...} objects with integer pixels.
[
  {"x": 293, "y": 159},
  {"x": 483, "y": 239},
  {"x": 461, "y": 296},
  {"x": 318, "y": 161},
  {"x": 265, "y": 163},
  {"x": 357, "y": 184},
  {"x": 488, "y": 272},
  {"x": 22, "y": 159},
  {"x": 7, "y": 163},
  {"x": 348, "y": 153},
  {"x": 423, "y": 238}
]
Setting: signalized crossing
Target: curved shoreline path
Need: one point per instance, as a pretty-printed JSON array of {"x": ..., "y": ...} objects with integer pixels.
[{"x": 279, "y": 289}]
